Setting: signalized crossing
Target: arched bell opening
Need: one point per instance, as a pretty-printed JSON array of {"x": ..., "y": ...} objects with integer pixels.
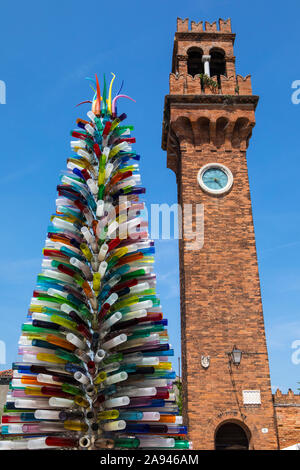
[
  {"x": 194, "y": 62},
  {"x": 217, "y": 63}
]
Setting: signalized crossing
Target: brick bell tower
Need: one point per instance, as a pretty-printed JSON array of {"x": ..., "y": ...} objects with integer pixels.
[{"x": 207, "y": 124}]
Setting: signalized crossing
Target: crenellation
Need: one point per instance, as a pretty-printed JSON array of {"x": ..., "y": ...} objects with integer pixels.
[
  {"x": 286, "y": 398},
  {"x": 193, "y": 85},
  {"x": 210, "y": 27},
  {"x": 244, "y": 85},
  {"x": 197, "y": 27},
  {"x": 182, "y": 84},
  {"x": 225, "y": 25},
  {"x": 287, "y": 410},
  {"x": 177, "y": 84},
  {"x": 182, "y": 25},
  {"x": 228, "y": 85}
]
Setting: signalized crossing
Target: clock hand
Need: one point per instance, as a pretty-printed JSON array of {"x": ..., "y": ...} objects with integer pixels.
[{"x": 216, "y": 180}]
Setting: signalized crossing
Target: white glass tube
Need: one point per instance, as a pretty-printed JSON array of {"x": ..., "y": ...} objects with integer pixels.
[
  {"x": 113, "y": 379},
  {"x": 31, "y": 403},
  {"x": 111, "y": 321},
  {"x": 73, "y": 339},
  {"x": 102, "y": 252},
  {"x": 46, "y": 414},
  {"x": 81, "y": 377},
  {"x": 156, "y": 442},
  {"x": 99, "y": 356},
  {"x": 60, "y": 402},
  {"x": 115, "y": 341},
  {"x": 150, "y": 416},
  {"x": 115, "y": 402}
]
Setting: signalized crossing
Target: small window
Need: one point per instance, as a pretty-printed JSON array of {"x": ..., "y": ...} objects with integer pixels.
[{"x": 195, "y": 65}]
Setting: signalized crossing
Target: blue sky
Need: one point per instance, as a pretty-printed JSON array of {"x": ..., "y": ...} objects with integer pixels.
[{"x": 49, "y": 47}]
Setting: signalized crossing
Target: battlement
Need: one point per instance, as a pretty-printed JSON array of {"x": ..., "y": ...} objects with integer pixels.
[
  {"x": 224, "y": 26},
  {"x": 181, "y": 84},
  {"x": 283, "y": 399},
  {"x": 287, "y": 410}
]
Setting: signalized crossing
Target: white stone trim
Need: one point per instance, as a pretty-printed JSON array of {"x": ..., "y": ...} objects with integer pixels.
[
  {"x": 215, "y": 191},
  {"x": 251, "y": 397}
]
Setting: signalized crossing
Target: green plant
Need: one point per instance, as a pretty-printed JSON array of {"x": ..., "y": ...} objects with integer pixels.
[
  {"x": 228, "y": 99},
  {"x": 179, "y": 399},
  {"x": 207, "y": 81}
]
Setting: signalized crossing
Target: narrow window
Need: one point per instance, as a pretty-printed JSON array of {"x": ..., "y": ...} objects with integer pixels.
[{"x": 217, "y": 63}]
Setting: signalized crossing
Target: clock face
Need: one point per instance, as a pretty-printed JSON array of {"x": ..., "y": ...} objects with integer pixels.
[{"x": 215, "y": 178}]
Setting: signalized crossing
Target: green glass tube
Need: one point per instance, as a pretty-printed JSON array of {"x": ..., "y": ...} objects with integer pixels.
[
  {"x": 133, "y": 274},
  {"x": 101, "y": 191},
  {"x": 181, "y": 444},
  {"x": 112, "y": 262},
  {"x": 102, "y": 235},
  {"x": 67, "y": 356},
  {"x": 98, "y": 124},
  {"x": 137, "y": 334},
  {"x": 85, "y": 311},
  {"x": 127, "y": 442},
  {"x": 35, "y": 329},
  {"x": 150, "y": 329},
  {"x": 113, "y": 358},
  {"x": 71, "y": 389}
]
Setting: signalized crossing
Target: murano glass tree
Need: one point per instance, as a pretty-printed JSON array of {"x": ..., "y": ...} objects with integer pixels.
[{"x": 95, "y": 372}]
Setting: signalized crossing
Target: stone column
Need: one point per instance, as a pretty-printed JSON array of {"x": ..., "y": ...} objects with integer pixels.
[{"x": 206, "y": 60}]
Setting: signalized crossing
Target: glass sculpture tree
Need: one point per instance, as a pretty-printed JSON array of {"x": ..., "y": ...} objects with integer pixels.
[{"x": 95, "y": 370}]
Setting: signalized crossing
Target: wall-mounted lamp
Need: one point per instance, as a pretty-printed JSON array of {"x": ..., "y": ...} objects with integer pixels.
[{"x": 235, "y": 356}]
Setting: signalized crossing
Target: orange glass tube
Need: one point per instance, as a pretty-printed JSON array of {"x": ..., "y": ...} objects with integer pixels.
[
  {"x": 29, "y": 380},
  {"x": 82, "y": 120},
  {"x": 167, "y": 419},
  {"x": 87, "y": 289},
  {"x": 130, "y": 258},
  {"x": 60, "y": 342},
  {"x": 120, "y": 176},
  {"x": 57, "y": 238},
  {"x": 94, "y": 226}
]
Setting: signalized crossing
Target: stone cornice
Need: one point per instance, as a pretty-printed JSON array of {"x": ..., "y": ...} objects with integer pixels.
[{"x": 204, "y": 36}]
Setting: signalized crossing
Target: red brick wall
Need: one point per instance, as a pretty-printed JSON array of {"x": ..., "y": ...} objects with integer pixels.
[
  {"x": 221, "y": 307},
  {"x": 287, "y": 409}
]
